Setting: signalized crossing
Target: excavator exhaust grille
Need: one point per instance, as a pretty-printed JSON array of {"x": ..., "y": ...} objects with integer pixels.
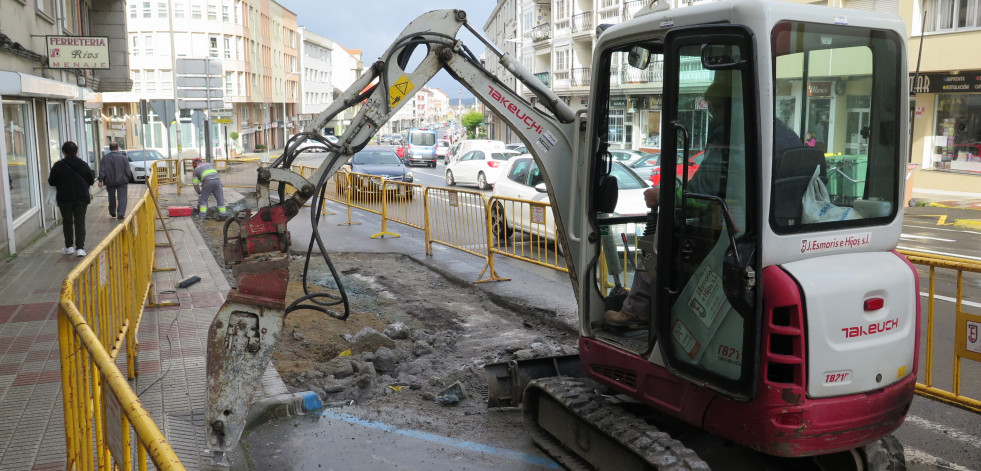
[{"x": 620, "y": 375}]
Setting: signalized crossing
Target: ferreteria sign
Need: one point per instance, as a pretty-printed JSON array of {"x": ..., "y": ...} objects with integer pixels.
[
  {"x": 964, "y": 81},
  {"x": 78, "y": 52}
]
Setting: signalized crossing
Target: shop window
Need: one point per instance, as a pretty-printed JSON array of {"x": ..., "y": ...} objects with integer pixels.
[
  {"x": 21, "y": 159},
  {"x": 957, "y": 141}
]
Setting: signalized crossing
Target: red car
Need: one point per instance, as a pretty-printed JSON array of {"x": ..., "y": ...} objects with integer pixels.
[
  {"x": 693, "y": 163},
  {"x": 400, "y": 151}
]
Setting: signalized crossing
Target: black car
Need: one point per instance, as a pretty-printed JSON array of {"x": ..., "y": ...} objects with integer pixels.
[{"x": 379, "y": 162}]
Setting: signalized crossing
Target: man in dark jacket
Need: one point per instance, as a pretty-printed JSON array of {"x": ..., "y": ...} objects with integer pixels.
[
  {"x": 115, "y": 174},
  {"x": 72, "y": 178}
]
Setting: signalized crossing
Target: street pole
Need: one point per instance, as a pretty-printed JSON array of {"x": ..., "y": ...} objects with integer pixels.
[
  {"x": 207, "y": 115},
  {"x": 173, "y": 65}
]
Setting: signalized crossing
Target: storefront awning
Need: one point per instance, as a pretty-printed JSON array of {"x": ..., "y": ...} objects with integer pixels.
[{"x": 16, "y": 83}]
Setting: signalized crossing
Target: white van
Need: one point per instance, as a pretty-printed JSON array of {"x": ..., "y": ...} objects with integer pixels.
[{"x": 421, "y": 147}]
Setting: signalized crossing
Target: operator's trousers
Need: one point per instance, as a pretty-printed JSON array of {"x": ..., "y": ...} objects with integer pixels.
[
  {"x": 208, "y": 188},
  {"x": 117, "y": 199}
]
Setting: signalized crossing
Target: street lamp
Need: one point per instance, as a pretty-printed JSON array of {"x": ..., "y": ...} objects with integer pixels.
[{"x": 285, "y": 129}]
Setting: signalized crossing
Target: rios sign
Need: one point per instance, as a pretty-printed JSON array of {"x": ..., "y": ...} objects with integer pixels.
[{"x": 78, "y": 52}]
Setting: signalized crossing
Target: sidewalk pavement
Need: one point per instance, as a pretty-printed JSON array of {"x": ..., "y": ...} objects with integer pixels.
[{"x": 172, "y": 341}]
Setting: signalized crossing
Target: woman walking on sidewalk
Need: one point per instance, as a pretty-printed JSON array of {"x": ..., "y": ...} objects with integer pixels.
[{"x": 72, "y": 179}]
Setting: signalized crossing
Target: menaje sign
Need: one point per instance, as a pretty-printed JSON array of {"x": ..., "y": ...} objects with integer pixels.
[{"x": 78, "y": 52}]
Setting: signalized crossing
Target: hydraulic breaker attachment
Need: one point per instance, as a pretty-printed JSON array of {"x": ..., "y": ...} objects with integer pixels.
[{"x": 240, "y": 344}]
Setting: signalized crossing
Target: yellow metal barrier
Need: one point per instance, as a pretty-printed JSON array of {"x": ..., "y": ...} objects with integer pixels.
[
  {"x": 168, "y": 171},
  {"x": 525, "y": 230},
  {"x": 101, "y": 305},
  {"x": 966, "y": 325}
]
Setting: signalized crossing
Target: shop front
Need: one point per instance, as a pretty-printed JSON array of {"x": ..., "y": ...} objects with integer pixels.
[
  {"x": 38, "y": 115},
  {"x": 946, "y": 131}
]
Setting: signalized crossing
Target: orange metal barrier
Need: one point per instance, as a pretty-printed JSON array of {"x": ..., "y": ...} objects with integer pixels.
[
  {"x": 101, "y": 306},
  {"x": 966, "y": 336},
  {"x": 525, "y": 230}
]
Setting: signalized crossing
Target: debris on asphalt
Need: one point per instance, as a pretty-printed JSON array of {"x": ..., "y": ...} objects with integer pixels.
[{"x": 453, "y": 394}]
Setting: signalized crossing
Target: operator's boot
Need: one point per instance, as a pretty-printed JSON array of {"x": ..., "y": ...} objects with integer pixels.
[
  {"x": 202, "y": 212},
  {"x": 222, "y": 214},
  {"x": 623, "y": 320}
]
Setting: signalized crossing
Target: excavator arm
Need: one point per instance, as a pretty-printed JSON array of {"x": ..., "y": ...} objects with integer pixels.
[{"x": 244, "y": 333}]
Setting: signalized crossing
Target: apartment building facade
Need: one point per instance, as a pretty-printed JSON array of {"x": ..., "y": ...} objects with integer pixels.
[
  {"x": 48, "y": 99},
  {"x": 257, "y": 45}
]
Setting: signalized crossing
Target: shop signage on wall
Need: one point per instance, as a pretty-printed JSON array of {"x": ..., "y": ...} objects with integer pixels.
[
  {"x": 818, "y": 88},
  {"x": 78, "y": 52},
  {"x": 964, "y": 81}
]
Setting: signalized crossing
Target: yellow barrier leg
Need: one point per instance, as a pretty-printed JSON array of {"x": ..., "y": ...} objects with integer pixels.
[
  {"x": 347, "y": 194},
  {"x": 384, "y": 214}
]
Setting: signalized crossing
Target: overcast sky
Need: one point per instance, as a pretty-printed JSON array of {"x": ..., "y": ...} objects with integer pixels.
[{"x": 371, "y": 25}]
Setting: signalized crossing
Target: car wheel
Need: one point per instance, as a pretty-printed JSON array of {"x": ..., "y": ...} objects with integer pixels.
[
  {"x": 499, "y": 223},
  {"x": 482, "y": 182},
  {"x": 449, "y": 178},
  {"x": 432, "y": 164}
]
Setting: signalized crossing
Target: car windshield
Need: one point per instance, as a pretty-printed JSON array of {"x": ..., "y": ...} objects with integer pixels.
[
  {"x": 503, "y": 155},
  {"x": 139, "y": 155},
  {"x": 375, "y": 157}
]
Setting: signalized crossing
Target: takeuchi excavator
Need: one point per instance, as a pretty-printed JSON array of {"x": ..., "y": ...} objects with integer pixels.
[{"x": 781, "y": 316}]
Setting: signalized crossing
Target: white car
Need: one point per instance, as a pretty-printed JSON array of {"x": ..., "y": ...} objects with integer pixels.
[
  {"x": 480, "y": 167},
  {"x": 462, "y": 147},
  {"x": 522, "y": 180},
  {"x": 442, "y": 148},
  {"x": 140, "y": 160}
]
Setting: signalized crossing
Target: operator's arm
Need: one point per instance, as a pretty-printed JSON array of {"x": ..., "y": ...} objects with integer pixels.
[{"x": 196, "y": 181}]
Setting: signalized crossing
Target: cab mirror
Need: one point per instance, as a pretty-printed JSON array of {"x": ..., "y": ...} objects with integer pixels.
[
  {"x": 639, "y": 57},
  {"x": 605, "y": 198},
  {"x": 720, "y": 56}
]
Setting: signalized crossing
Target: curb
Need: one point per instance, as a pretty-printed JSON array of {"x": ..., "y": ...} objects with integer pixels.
[{"x": 282, "y": 405}]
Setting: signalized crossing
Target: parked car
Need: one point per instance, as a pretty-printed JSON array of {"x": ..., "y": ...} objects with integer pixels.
[
  {"x": 517, "y": 146},
  {"x": 521, "y": 179},
  {"x": 377, "y": 161},
  {"x": 627, "y": 155},
  {"x": 421, "y": 147},
  {"x": 442, "y": 148},
  {"x": 470, "y": 144},
  {"x": 480, "y": 166},
  {"x": 311, "y": 145},
  {"x": 693, "y": 164},
  {"x": 139, "y": 161},
  {"x": 400, "y": 152}
]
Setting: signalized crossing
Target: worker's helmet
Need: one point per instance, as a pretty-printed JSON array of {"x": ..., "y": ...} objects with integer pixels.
[{"x": 197, "y": 161}]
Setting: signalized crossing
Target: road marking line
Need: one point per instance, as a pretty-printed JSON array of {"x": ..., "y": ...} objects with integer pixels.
[
  {"x": 944, "y": 430},
  {"x": 911, "y": 236},
  {"x": 949, "y": 299},
  {"x": 937, "y": 252},
  {"x": 479, "y": 447},
  {"x": 935, "y": 228},
  {"x": 920, "y": 457}
]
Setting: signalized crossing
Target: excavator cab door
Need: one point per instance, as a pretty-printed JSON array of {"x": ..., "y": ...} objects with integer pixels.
[{"x": 708, "y": 300}]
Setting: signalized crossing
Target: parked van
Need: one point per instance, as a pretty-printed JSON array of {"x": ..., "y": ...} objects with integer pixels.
[{"x": 420, "y": 147}]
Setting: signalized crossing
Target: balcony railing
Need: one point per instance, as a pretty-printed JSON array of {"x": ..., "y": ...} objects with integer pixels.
[
  {"x": 545, "y": 77},
  {"x": 582, "y": 22},
  {"x": 612, "y": 15},
  {"x": 630, "y": 8},
  {"x": 653, "y": 75},
  {"x": 581, "y": 76},
  {"x": 541, "y": 32}
]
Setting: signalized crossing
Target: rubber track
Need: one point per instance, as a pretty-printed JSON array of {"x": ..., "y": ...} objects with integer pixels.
[{"x": 577, "y": 395}]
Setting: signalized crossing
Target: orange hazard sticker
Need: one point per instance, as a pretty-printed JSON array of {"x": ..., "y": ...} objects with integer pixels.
[{"x": 684, "y": 338}]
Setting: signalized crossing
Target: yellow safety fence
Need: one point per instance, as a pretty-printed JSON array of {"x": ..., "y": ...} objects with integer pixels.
[
  {"x": 966, "y": 334},
  {"x": 390, "y": 199},
  {"x": 101, "y": 306},
  {"x": 525, "y": 230}
]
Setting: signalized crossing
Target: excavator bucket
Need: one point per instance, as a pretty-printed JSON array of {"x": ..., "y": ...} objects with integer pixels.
[{"x": 506, "y": 381}]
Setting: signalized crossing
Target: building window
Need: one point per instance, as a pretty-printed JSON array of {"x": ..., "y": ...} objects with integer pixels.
[
  {"x": 161, "y": 10},
  {"x": 147, "y": 10},
  {"x": 132, "y": 10},
  {"x": 148, "y": 45},
  {"x": 195, "y": 12},
  {"x": 224, "y": 14},
  {"x": 134, "y": 45},
  {"x": 228, "y": 48},
  {"x": 947, "y": 15},
  {"x": 212, "y": 13},
  {"x": 167, "y": 82},
  {"x": 229, "y": 81},
  {"x": 179, "y": 10},
  {"x": 213, "y": 42},
  {"x": 21, "y": 158},
  {"x": 957, "y": 143}
]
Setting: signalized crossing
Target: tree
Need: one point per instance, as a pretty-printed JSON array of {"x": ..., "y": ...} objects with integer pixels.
[{"x": 471, "y": 120}]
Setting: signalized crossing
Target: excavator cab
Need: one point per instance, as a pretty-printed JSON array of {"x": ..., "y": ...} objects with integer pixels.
[{"x": 770, "y": 245}]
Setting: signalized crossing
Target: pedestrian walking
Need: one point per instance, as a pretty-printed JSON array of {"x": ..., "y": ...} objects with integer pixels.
[
  {"x": 115, "y": 173},
  {"x": 72, "y": 178},
  {"x": 206, "y": 183}
]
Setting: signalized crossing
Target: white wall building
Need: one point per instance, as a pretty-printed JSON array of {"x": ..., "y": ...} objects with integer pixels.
[{"x": 316, "y": 86}]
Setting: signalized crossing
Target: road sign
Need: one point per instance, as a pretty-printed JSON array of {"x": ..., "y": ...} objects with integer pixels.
[
  {"x": 199, "y": 82},
  {"x": 200, "y": 104},
  {"x": 223, "y": 120},
  {"x": 199, "y": 66},
  {"x": 164, "y": 109},
  {"x": 199, "y": 93}
]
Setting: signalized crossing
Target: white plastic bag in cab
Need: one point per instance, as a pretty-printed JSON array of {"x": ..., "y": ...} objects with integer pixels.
[{"x": 817, "y": 206}]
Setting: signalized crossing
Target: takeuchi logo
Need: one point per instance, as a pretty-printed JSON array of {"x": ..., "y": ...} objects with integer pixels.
[{"x": 515, "y": 110}]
